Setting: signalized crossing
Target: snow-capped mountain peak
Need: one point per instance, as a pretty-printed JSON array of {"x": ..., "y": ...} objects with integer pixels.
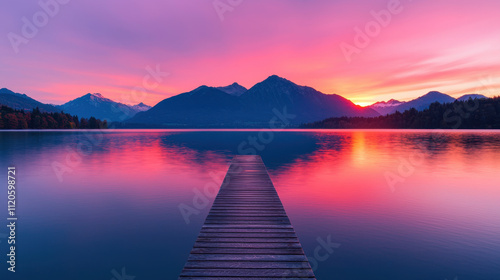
[
  {"x": 390, "y": 103},
  {"x": 141, "y": 107},
  {"x": 96, "y": 105}
]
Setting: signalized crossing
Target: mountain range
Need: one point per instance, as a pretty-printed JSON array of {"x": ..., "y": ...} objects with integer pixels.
[
  {"x": 23, "y": 102},
  {"x": 234, "y": 106},
  {"x": 228, "y": 106},
  {"x": 471, "y": 96},
  {"x": 89, "y": 105},
  {"x": 100, "y": 107},
  {"x": 420, "y": 103}
]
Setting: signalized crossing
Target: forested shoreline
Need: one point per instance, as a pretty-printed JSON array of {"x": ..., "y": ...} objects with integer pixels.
[
  {"x": 19, "y": 119},
  {"x": 470, "y": 114}
]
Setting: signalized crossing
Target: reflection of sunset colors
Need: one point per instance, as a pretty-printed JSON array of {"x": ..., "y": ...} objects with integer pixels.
[
  {"x": 95, "y": 46},
  {"x": 448, "y": 204},
  {"x": 355, "y": 170},
  {"x": 131, "y": 186},
  {"x": 345, "y": 173}
]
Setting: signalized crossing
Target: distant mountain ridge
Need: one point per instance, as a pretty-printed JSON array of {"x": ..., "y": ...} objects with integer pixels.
[
  {"x": 471, "y": 96},
  {"x": 98, "y": 106},
  {"x": 485, "y": 115},
  {"x": 390, "y": 103},
  {"x": 256, "y": 107},
  {"x": 23, "y": 102},
  {"x": 228, "y": 106},
  {"x": 89, "y": 105},
  {"x": 420, "y": 103},
  {"x": 141, "y": 107}
]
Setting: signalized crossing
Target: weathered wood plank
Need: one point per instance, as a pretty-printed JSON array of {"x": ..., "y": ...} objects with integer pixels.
[
  {"x": 246, "y": 264},
  {"x": 247, "y": 239},
  {"x": 246, "y": 230},
  {"x": 246, "y": 211},
  {"x": 248, "y": 245},
  {"x": 247, "y": 234},
  {"x": 245, "y": 222},
  {"x": 227, "y": 272},
  {"x": 249, "y": 226},
  {"x": 242, "y": 258},
  {"x": 265, "y": 235},
  {"x": 237, "y": 219}
]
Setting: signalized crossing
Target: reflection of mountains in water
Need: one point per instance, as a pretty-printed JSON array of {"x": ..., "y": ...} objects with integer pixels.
[
  {"x": 287, "y": 147},
  {"x": 276, "y": 148}
]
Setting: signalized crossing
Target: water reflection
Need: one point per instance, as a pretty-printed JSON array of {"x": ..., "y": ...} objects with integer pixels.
[{"x": 118, "y": 203}]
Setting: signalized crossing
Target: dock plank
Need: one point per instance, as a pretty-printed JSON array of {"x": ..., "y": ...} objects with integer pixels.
[{"x": 247, "y": 233}]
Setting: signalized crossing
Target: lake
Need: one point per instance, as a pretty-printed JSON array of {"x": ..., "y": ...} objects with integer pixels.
[{"x": 399, "y": 204}]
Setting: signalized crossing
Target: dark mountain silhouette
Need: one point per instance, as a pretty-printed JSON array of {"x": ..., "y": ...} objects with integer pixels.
[
  {"x": 23, "y": 102},
  {"x": 200, "y": 107},
  {"x": 421, "y": 103},
  {"x": 231, "y": 106},
  {"x": 234, "y": 89},
  {"x": 96, "y": 105},
  {"x": 271, "y": 98},
  {"x": 305, "y": 102},
  {"x": 383, "y": 107},
  {"x": 483, "y": 114},
  {"x": 471, "y": 96}
]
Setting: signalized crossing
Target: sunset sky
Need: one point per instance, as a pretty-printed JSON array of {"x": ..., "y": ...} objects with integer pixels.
[{"x": 105, "y": 46}]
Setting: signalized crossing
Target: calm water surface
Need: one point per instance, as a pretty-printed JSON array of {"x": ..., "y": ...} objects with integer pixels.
[{"x": 400, "y": 204}]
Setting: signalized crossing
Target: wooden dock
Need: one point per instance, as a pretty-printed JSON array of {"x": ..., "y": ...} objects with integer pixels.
[{"x": 247, "y": 234}]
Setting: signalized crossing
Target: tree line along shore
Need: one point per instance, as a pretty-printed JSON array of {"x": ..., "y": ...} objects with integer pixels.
[
  {"x": 470, "y": 114},
  {"x": 36, "y": 119}
]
